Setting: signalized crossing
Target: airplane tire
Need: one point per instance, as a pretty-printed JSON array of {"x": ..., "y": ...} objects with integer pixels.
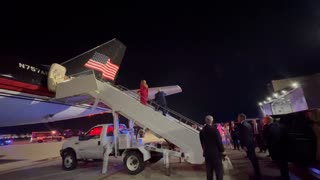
[
  {"x": 133, "y": 162},
  {"x": 69, "y": 160}
]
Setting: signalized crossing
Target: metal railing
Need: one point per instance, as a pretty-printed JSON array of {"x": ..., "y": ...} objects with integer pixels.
[
  {"x": 78, "y": 74},
  {"x": 152, "y": 104}
]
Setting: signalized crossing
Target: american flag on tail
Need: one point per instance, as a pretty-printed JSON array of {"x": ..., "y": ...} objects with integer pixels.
[{"x": 102, "y": 63}]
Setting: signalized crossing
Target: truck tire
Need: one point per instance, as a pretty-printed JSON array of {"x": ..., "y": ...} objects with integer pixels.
[
  {"x": 69, "y": 160},
  {"x": 133, "y": 162},
  {"x": 59, "y": 139},
  {"x": 40, "y": 141}
]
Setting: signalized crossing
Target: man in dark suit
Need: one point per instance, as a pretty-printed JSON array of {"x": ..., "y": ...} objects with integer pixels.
[
  {"x": 234, "y": 131},
  {"x": 277, "y": 140},
  {"x": 160, "y": 99},
  {"x": 265, "y": 134},
  {"x": 247, "y": 143},
  {"x": 213, "y": 149}
]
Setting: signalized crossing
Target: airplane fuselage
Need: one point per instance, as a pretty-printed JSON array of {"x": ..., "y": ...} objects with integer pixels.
[
  {"x": 25, "y": 98},
  {"x": 24, "y": 77}
]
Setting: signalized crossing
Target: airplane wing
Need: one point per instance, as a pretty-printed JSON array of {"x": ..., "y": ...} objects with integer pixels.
[{"x": 22, "y": 108}]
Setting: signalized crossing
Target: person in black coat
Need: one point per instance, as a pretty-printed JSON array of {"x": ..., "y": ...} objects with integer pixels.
[
  {"x": 160, "y": 99},
  {"x": 265, "y": 133},
  {"x": 277, "y": 142},
  {"x": 234, "y": 132},
  {"x": 247, "y": 143},
  {"x": 213, "y": 149}
]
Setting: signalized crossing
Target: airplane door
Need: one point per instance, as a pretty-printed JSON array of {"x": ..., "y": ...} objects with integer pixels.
[{"x": 91, "y": 147}]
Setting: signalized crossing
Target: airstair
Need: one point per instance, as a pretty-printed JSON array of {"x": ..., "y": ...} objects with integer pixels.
[{"x": 173, "y": 127}]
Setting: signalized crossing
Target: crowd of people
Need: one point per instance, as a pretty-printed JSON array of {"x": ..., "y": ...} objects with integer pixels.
[
  {"x": 244, "y": 134},
  {"x": 229, "y": 133},
  {"x": 247, "y": 135}
]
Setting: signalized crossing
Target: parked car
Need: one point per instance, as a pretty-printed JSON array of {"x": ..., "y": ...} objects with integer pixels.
[
  {"x": 4, "y": 142},
  {"x": 45, "y": 136},
  {"x": 67, "y": 133},
  {"x": 91, "y": 146}
]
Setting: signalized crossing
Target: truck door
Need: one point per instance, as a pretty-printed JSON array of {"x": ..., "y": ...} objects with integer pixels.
[{"x": 91, "y": 147}]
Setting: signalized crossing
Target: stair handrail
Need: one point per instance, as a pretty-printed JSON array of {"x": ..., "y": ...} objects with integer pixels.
[{"x": 153, "y": 104}]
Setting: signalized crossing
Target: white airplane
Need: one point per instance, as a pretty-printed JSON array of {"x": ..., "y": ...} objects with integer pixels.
[{"x": 25, "y": 98}]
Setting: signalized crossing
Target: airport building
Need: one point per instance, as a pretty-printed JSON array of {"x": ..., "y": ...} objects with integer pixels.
[{"x": 292, "y": 95}]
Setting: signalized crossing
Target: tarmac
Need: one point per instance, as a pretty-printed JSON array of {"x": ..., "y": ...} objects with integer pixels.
[{"x": 42, "y": 161}]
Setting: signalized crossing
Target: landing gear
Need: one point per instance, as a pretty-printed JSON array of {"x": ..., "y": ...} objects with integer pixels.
[{"x": 133, "y": 162}]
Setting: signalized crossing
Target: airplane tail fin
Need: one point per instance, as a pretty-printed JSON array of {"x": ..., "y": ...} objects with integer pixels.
[{"x": 113, "y": 50}]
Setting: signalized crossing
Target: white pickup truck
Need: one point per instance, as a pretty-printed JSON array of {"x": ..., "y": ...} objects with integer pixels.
[{"x": 94, "y": 143}]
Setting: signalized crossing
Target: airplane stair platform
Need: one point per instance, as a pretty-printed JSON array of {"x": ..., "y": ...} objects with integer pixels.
[{"x": 173, "y": 127}]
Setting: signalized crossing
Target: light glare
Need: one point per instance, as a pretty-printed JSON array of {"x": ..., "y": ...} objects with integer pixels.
[{"x": 295, "y": 85}]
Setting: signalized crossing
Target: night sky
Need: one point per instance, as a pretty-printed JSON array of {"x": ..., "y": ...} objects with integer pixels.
[{"x": 223, "y": 54}]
